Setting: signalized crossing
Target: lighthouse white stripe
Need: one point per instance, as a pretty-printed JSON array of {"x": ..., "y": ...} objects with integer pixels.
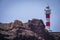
[
  {"x": 47, "y": 19},
  {"x": 48, "y": 27},
  {"x": 47, "y": 13}
]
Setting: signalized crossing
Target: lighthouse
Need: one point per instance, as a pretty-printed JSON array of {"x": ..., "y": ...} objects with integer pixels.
[{"x": 47, "y": 15}]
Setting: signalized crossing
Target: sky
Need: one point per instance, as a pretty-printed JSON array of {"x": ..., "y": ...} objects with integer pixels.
[{"x": 24, "y": 10}]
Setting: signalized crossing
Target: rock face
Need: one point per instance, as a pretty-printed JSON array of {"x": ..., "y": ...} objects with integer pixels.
[{"x": 32, "y": 30}]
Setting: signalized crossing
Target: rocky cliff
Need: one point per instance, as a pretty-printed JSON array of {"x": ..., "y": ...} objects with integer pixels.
[{"x": 32, "y": 30}]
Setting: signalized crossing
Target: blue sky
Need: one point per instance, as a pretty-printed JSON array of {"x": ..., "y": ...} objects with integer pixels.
[{"x": 24, "y": 10}]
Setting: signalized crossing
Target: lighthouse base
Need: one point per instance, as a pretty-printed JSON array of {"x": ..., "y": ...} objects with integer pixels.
[{"x": 48, "y": 28}]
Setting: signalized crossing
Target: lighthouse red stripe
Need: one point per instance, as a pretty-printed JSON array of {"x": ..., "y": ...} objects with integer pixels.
[
  {"x": 47, "y": 15},
  {"x": 47, "y": 23}
]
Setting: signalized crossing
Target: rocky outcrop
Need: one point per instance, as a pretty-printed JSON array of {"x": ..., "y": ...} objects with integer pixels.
[{"x": 32, "y": 30}]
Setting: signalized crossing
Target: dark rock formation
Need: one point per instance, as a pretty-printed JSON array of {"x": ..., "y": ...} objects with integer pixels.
[{"x": 32, "y": 30}]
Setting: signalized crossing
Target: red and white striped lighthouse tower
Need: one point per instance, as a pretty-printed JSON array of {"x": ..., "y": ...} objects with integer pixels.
[{"x": 47, "y": 13}]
